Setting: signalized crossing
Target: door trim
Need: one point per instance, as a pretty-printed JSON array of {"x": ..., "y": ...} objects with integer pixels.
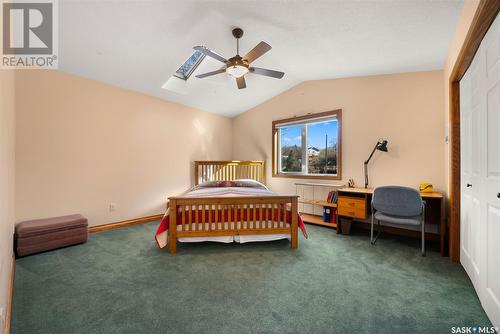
[{"x": 486, "y": 13}]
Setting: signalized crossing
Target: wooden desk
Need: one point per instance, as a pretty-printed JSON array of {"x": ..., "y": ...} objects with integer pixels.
[{"x": 355, "y": 204}]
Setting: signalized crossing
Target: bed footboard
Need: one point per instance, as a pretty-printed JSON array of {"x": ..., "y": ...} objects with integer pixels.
[{"x": 230, "y": 216}]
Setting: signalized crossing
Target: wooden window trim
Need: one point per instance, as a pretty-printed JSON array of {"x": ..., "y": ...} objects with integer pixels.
[
  {"x": 338, "y": 114},
  {"x": 486, "y": 13}
]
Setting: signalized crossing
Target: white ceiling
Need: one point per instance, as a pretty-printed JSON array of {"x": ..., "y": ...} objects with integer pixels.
[{"x": 138, "y": 45}]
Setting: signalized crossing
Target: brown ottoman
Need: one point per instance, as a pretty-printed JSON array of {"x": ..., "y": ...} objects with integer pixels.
[{"x": 34, "y": 236}]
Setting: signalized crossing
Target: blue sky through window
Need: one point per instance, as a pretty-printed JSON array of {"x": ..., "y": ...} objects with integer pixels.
[
  {"x": 317, "y": 132},
  {"x": 291, "y": 135}
]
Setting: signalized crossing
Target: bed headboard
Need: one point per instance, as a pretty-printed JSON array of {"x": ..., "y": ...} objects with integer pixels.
[{"x": 228, "y": 170}]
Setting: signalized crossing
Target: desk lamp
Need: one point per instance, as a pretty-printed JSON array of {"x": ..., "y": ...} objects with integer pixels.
[{"x": 381, "y": 146}]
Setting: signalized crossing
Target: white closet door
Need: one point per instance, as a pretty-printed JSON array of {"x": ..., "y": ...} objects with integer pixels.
[
  {"x": 480, "y": 172},
  {"x": 471, "y": 223},
  {"x": 491, "y": 193}
]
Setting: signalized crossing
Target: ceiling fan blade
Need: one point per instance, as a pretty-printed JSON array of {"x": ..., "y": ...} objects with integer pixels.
[
  {"x": 241, "y": 82},
  {"x": 204, "y": 75},
  {"x": 210, "y": 53},
  {"x": 257, "y": 51},
  {"x": 267, "y": 73}
]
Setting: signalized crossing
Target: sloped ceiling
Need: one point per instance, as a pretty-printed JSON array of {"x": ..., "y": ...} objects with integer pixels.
[{"x": 138, "y": 45}]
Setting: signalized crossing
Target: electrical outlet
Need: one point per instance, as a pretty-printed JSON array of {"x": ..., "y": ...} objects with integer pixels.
[{"x": 112, "y": 207}]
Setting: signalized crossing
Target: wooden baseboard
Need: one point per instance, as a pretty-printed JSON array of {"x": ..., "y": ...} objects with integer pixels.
[
  {"x": 124, "y": 223},
  {"x": 10, "y": 296}
]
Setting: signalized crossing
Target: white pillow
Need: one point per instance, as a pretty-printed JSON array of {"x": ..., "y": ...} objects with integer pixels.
[{"x": 249, "y": 183}]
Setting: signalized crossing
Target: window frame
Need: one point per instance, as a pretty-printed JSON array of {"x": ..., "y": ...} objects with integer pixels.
[{"x": 276, "y": 148}]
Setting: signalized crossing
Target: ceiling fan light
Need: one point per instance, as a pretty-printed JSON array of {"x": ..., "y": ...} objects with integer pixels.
[{"x": 237, "y": 71}]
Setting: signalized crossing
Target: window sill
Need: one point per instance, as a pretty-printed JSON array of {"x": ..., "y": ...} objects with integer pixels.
[{"x": 306, "y": 176}]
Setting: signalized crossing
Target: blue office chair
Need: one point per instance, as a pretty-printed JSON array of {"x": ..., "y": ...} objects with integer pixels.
[{"x": 397, "y": 205}]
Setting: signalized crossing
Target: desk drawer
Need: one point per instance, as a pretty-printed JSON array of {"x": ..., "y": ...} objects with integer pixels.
[
  {"x": 353, "y": 213},
  {"x": 351, "y": 207},
  {"x": 351, "y": 202}
]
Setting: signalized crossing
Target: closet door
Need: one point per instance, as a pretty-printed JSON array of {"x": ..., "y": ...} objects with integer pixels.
[
  {"x": 471, "y": 226},
  {"x": 480, "y": 172},
  {"x": 491, "y": 191}
]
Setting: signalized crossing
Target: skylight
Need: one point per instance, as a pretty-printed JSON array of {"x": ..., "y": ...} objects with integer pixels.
[{"x": 189, "y": 65}]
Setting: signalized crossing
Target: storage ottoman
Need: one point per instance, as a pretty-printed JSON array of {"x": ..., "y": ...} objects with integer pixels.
[{"x": 34, "y": 236}]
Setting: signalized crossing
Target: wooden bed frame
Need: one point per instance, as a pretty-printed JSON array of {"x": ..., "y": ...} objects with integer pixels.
[
  {"x": 229, "y": 170},
  {"x": 208, "y": 210}
]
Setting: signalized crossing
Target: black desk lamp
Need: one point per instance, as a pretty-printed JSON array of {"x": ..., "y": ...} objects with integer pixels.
[{"x": 381, "y": 146}]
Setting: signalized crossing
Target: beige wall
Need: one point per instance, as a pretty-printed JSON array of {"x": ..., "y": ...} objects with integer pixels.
[
  {"x": 404, "y": 108},
  {"x": 7, "y": 124},
  {"x": 464, "y": 22},
  {"x": 82, "y": 145}
]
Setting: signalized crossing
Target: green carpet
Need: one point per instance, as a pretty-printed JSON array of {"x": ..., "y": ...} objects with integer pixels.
[{"x": 119, "y": 282}]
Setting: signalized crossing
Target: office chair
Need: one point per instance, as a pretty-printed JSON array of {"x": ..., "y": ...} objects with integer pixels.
[{"x": 397, "y": 205}]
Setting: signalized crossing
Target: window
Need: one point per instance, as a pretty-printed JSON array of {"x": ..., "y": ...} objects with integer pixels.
[
  {"x": 308, "y": 146},
  {"x": 189, "y": 65}
]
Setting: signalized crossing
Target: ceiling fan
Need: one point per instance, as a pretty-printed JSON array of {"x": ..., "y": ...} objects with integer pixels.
[{"x": 238, "y": 66}]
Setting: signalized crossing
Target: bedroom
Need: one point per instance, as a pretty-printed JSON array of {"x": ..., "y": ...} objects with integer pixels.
[{"x": 118, "y": 124}]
